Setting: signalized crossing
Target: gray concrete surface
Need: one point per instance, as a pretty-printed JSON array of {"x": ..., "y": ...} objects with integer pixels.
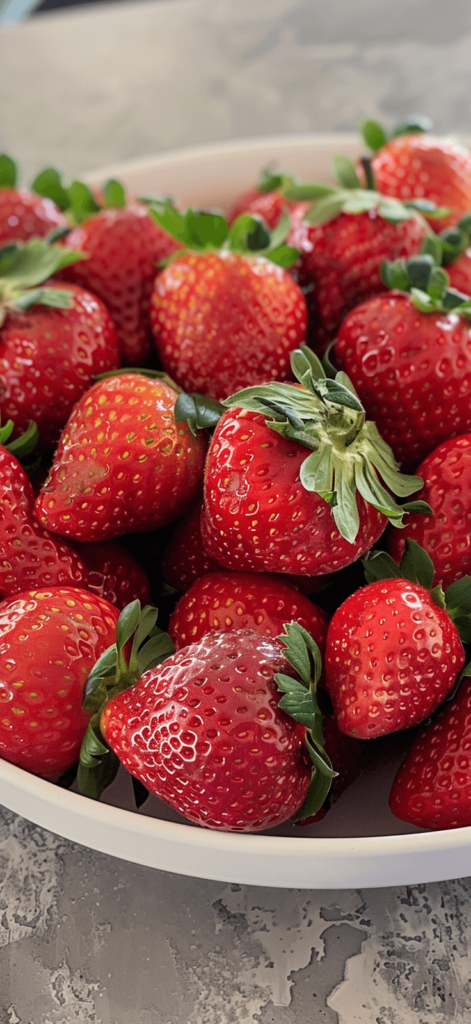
[{"x": 87, "y": 939}]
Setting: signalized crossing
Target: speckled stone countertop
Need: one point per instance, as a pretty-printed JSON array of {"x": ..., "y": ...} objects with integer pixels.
[{"x": 86, "y": 938}]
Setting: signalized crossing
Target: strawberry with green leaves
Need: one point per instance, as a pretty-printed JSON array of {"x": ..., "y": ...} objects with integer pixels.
[
  {"x": 267, "y": 200},
  {"x": 23, "y": 214},
  {"x": 346, "y": 234},
  {"x": 54, "y": 338},
  {"x": 206, "y": 729},
  {"x": 395, "y": 647},
  {"x": 123, "y": 465},
  {"x": 221, "y": 601},
  {"x": 123, "y": 245},
  {"x": 432, "y": 788},
  {"x": 270, "y": 505},
  {"x": 412, "y": 162},
  {"x": 50, "y": 640},
  {"x": 408, "y": 354},
  {"x": 226, "y": 313}
]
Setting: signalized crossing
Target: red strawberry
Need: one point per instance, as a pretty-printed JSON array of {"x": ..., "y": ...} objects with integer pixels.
[
  {"x": 224, "y": 318},
  {"x": 23, "y": 214},
  {"x": 184, "y": 559},
  {"x": 459, "y": 272},
  {"x": 124, "y": 247},
  {"x": 225, "y": 756},
  {"x": 267, "y": 200},
  {"x": 393, "y": 652},
  {"x": 446, "y": 534},
  {"x": 114, "y": 573},
  {"x": 222, "y": 601},
  {"x": 50, "y": 641},
  {"x": 432, "y": 788},
  {"x": 438, "y": 169},
  {"x": 343, "y": 239},
  {"x": 29, "y": 555},
  {"x": 122, "y": 465},
  {"x": 49, "y": 357},
  {"x": 270, "y": 507},
  {"x": 409, "y": 357}
]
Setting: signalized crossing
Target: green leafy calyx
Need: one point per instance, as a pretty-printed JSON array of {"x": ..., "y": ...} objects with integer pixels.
[
  {"x": 300, "y": 702},
  {"x": 375, "y": 135},
  {"x": 427, "y": 283},
  {"x": 23, "y": 268},
  {"x": 208, "y": 230},
  {"x": 111, "y": 675},
  {"x": 347, "y": 454},
  {"x": 351, "y": 196},
  {"x": 76, "y": 199}
]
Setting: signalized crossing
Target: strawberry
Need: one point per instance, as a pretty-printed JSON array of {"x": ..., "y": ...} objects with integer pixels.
[
  {"x": 419, "y": 164},
  {"x": 270, "y": 507},
  {"x": 50, "y": 640},
  {"x": 409, "y": 357},
  {"x": 53, "y": 339},
  {"x": 344, "y": 237},
  {"x": 123, "y": 245},
  {"x": 29, "y": 555},
  {"x": 226, "y": 317},
  {"x": 267, "y": 200},
  {"x": 446, "y": 533},
  {"x": 222, "y": 601},
  {"x": 432, "y": 788},
  {"x": 122, "y": 465},
  {"x": 347, "y": 756},
  {"x": 23, "y": 214},
  {"x": 114, "y": 573},
  {"x": 207, "y": 731},
  {"x": 184, "y": 558},
  {"x": 393, "y": 651}
]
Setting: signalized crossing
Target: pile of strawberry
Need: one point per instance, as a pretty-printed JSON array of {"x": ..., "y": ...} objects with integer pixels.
[{"x": 263, "y": 425}]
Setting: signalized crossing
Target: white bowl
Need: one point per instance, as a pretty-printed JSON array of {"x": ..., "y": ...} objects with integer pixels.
[{"x": 359, "y": 843}]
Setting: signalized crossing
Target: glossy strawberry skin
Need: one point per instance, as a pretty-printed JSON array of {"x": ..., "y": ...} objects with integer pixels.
[
  {"x": 50, "y": 640},
  {"x": 432, "y": 788},
  {"x": 49, "y": 357},
  {"x": 114, "y": 573},
  {"x": 424, "y": 166},
  {"x": 122, "y": 465},
  {"x": 445, "y": 535},
  {"x": 29, "y": 555},
  {"x": 392, "y": 656},
  {"x": 123, "y": 247},
  {"x": 24, "y": 215},
  {"x": 259, "y": 518},
  {"x": 223, "y": 321},
  {"x": 412, "y": 371},
  {"x": 341, "y": 259},
  {"x": 221, "y": 601},
  {"x": 205, "y": 733}
]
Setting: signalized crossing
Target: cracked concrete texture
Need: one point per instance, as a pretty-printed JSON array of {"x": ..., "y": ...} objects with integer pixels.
[
  {"x": 90, "y": 939},
  {"x": 83, "y": 88}
]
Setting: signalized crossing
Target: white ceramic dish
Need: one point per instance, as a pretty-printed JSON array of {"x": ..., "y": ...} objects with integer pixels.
[{"x": 359, "y": 843}]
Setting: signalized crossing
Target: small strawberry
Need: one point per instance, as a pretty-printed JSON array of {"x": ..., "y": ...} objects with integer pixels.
[
  {"x": 267, "y": 200},
  {"x": 222, "y": 601},
  {"x": 54, "y": 338},
  {"x": 29, "y": 555},
  {"x": 207, "y": 731},
  {"x": 393, "y": 650},
  {"x": 415, "y": 163},
  {"x": 432, "y": 788},
  {"x": 122, "y": 465},
  {"x": 224, "y": 314},
  {"x": 114, "y": 573},
  {"x": 343, "y": 238},
  {"x": 51, "y": 639},
  {"x": 23, "y": 214},
  {"x": 124, "y": 246},
  {"x": 408, "y": 355},
  {"x": 269, "y": 506},
  {"x": 446, "y": 533}
]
